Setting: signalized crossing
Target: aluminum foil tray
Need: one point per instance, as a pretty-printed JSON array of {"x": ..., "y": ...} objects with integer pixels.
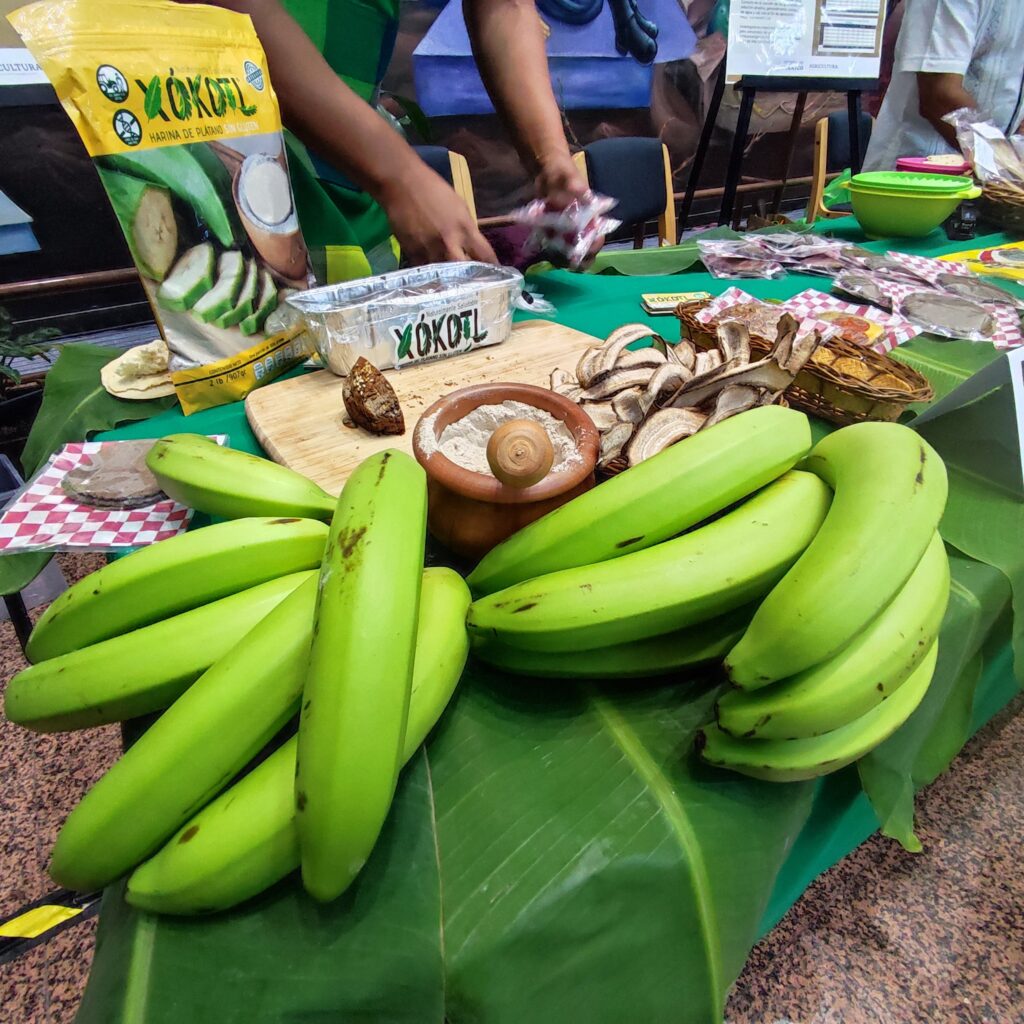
[{"x": 410, "y": 316}]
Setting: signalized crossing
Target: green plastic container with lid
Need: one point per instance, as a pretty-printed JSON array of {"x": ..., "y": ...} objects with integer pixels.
[
  {"x": 903, "y": 214},
  {"x": 911, "y": 181}
]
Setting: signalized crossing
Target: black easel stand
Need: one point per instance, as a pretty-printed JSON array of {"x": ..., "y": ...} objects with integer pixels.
[{"x": 749, "y": 86}]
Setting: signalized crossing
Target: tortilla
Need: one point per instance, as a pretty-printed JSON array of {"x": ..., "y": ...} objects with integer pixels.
[
  {"x": 115, "y": 477},
  {"x": 862, "y": 286},
  {"x": 970, "y": 287},
  {"x": 949, "y": 316},
  {"x": 140, "y": 373}
]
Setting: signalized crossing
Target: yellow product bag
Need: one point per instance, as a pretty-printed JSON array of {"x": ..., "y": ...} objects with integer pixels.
[{"x": 174, "y": 104}]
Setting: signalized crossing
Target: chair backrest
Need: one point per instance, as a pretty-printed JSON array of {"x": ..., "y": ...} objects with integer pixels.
[
  {"x": 453, "y": 168},
  {"x": 437, "y": 159},
  {"x": 837, "y": 155},
  {"x": 631, "y": 170}
]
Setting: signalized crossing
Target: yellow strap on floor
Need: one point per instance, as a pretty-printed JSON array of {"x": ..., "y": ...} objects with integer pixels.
[{"x": 36, "y": 921}]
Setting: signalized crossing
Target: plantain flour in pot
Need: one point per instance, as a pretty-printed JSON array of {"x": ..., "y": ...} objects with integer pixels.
[{"x": 174, "y": 104}]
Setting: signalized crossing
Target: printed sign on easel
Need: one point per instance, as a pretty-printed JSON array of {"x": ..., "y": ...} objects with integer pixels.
[{"x": 812, "y": 38}]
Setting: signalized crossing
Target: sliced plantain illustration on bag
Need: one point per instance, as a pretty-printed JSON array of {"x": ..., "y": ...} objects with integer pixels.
[{"x": 174, "y": 104}]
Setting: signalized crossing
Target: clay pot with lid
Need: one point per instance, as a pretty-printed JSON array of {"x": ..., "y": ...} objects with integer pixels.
[{"x": 471, "y": 512}]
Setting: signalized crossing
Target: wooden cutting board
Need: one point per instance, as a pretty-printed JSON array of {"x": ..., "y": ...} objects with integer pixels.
[{"x": 299, "y": 422}]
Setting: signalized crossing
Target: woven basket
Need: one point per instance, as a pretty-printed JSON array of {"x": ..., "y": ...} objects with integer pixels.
[
  {"x": 1003, "y": 203},
  {"x": 843, "y": 382}
]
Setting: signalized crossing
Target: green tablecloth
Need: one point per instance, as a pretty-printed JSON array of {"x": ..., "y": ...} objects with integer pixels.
[{"x": 979, "y": 674}]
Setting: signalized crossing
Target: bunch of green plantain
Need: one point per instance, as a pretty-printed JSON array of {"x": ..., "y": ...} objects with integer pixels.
[
  {"x": 816, "y": 574},
  {"x": 231, "y": 632},
  {"x": 822, "y": 586}
]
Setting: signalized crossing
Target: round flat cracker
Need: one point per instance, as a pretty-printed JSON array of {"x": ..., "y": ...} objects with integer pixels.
[
  {"x": 949, "y": 315},
  {"x": 115, "y": 477},
  {"x": 973, "y": 287}
]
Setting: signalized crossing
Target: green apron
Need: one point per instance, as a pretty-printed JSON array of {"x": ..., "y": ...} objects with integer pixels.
[{"x": 347, "y": 232}]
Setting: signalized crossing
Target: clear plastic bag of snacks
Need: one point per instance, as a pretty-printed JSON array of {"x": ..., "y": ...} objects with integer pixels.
[
  {"x": 729, "y": 258},
  {"x": 568, "y": 236}
]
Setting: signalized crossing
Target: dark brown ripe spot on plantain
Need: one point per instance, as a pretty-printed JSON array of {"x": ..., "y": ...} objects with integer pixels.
[
  {"x": 385, "y": 459},
  {"x": 305, "y": 707},
  {"x": 525, "y": 607},
  {"x": 348, "y": 545},
  {"x": 188, "y": 834},
  {"x": 278, "y": 522},
  {"x": 629, "y": 540},
  {"x": 587, "y": 587},
  {"x": 300, "y": 801},
  {"x": 880, "y": 687},
  {"x": 919, "y": 479}
]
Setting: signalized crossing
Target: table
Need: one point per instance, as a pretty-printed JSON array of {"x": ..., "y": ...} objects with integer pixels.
[{"x": 283, "y": 959}]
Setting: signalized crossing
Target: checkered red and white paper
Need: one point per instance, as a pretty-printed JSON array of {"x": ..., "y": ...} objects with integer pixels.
[
  {"x": 925, "y": 267},
  {"x": 811, "y": 302},
  {"x": 43, "y": 518},
  {"x": 730, "y": 297}
]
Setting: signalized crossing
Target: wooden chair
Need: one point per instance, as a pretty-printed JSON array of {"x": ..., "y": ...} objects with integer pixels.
[
  {"x": 832, "y": 153},
  {"x": 638, "y": 173},
  {"x": 454, "y": 169}
]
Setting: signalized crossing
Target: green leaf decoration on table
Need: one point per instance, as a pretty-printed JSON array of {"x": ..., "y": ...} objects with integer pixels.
[
  {"x": 557, "y": 854},
  {"x": 18, "y": 571},
  {"x": 945, "y": 364},
  {"x": 984, "y": 516},
  {"x": 926, "y": 745},
  {"x": 75, "y": 404}
]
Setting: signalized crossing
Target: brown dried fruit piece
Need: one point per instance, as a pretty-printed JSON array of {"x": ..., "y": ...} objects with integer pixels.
[{"x": 371, "y": 401}]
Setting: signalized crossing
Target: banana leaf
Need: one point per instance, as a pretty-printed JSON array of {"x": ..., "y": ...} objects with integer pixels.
[
  {"x": 945, "y": 364},
  {"x": 75, "y": 403},
  {"x": 555, "y": 854}
]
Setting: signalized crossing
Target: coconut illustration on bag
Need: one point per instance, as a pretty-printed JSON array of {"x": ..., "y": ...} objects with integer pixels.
[{"x": 263, "y": 195}]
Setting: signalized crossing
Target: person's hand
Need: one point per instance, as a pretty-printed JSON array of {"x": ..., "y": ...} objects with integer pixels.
[
  {"x": 559, "y": 181},
  {"x": 432, "y": 224}
]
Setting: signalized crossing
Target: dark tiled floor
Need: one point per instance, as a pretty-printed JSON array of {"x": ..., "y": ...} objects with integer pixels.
[{"x": 885, "y": 937}]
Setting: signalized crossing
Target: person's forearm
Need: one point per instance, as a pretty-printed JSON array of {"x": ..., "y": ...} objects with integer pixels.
[
  {"x": 508, "y": 43},
  {"x": 319, "y": 108},
  {"x": 941, "y": 94}
]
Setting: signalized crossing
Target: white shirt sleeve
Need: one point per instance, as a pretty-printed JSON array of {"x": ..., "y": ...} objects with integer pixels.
[{"x": 938, "y": 35}]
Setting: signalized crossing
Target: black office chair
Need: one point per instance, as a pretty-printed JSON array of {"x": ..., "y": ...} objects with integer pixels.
[
  {"x": 453, "y": 168},
  {"x": 831, "y": 154},
  {"x": 637, "y": 172}
]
